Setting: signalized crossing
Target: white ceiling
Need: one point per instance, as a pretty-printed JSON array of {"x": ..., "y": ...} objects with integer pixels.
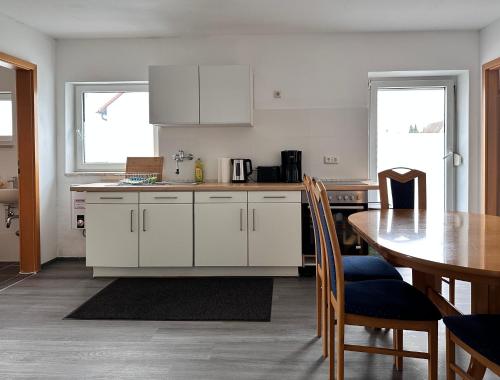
[{"x": 156, "y": 18}]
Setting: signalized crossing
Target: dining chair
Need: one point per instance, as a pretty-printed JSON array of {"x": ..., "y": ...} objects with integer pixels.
[
  {"x": 392, "y": 304},
  {"x": 478, "y": 335},
  {"x": 356, "y": 268}
]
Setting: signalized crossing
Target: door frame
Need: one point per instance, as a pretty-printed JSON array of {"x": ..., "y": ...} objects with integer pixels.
[
  {"x": 491, "y": 134},
  {"x": 27, "y": 139},
  {"x": 449, "y": 83}
]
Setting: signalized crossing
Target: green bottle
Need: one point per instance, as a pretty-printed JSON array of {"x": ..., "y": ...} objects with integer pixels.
[{"x": 198, "y": 170}]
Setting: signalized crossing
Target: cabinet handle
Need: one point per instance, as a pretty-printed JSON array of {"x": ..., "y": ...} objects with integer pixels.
[
  {"x": 274, "y": 196},
  {"x": 241, "y": 219},
  {"x": 219, "y": 197},
  {"x": 144, "y": 220},
  {"x": 166, "y": 197},
  {"x": 131, "y": 220},
  {"x": 110, "y": 197},
  {"x": 253, "y": 219}
]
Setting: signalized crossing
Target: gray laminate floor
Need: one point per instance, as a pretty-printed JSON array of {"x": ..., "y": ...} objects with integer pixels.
[{"x": 37, "y": 343}]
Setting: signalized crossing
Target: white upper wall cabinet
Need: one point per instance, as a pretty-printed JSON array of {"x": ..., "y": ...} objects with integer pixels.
[
  {"x": 225, "y": 94},
  {"x": 205, "y": 94},
  {"x": 174, "y": 96}
]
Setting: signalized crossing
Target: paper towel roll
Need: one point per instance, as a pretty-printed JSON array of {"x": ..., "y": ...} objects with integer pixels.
[{"x": 224, "y": 170}]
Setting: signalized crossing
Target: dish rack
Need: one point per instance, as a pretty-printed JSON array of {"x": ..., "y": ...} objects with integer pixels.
[{"x": 140, "y": 179}]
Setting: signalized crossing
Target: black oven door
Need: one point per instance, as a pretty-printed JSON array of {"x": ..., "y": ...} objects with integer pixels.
[{"x": 349, "y": 241}]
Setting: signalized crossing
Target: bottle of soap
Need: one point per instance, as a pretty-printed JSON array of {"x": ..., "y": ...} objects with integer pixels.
[{"x": 198, "y": 170}]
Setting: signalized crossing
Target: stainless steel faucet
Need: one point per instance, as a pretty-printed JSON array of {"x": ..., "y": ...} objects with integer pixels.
[
  {"x": 10, "y": 216},
  {"x": 180, "y": 156}
]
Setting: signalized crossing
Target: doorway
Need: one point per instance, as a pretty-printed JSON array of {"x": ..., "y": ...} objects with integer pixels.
[
  {"x": 491, "y": 117},
  {"x": 28, "y": 204},
  {"x": 412, "y": 125}
]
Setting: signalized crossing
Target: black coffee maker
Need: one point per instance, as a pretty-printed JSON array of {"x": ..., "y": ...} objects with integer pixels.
[{"x": 291, "y": 166}]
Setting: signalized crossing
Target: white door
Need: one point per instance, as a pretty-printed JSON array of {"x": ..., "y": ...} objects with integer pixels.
[
  {"x": 166, "y": 235},
  {"x": 225, "y": 94},
  {"x": 274, "y": 234},
  {"x": 112, "y": 235},
  {"x": 220, "y": 234},
  {"x": 174, "y": 95},
  {"x": 412, "y": 126}
]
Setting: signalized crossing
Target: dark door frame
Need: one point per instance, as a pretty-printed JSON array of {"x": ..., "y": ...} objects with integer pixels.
[{"x": 29, "y": 204}]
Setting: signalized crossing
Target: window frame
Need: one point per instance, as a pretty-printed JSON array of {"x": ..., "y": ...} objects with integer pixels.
[
  {"x": 8, "y": 140},
  {"x": 450, "y": 85},
  {"x": 79, "y": 90}
]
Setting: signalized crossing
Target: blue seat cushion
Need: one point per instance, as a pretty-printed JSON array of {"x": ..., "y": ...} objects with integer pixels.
[
  {"x": 480, "y": 332},
  {"x": 362, "y": 268},
  {"x": 389, "y": 299}
]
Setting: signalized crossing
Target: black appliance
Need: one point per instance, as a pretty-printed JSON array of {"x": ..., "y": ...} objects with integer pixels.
[
  {"x": 268, "y": 174},
  {"x": 242, "y": 169},
  {"x": 342, "y": 204},
  {"x": 291, "y": 166}
]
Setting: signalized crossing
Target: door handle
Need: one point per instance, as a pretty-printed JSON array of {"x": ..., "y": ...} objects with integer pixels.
[
  {"x": 253, "y": 219},
  {"x": 131, "y": 220},
  {"x": 241, "y": 219},
  {"x": 144, "y": 220},
  {"x": 110, "y": 197},
  {"x": 457, "y": 158},
  {"x": 219, "y": 197},
  {"x": 166, "y": 197},
  {"x": 274, "y": 196}
]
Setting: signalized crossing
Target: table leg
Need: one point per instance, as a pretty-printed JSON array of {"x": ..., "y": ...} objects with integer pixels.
[
  {"x": 485, "y": 299},
  {"x": 423, "y": 281}
]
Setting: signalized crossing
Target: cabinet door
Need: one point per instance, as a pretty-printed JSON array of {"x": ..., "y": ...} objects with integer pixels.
[
  {"x": 112, "y": 235},
  {"x": 225, "y": 94},
  {"x": 274, "y": 237},
  {"x": 166, "y": 235},
  {"x": 220, "y": 234},
  {"x": 174, "y": 95}
]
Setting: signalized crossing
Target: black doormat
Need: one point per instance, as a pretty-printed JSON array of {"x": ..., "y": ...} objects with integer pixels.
[{"x": 182, "y": 299}]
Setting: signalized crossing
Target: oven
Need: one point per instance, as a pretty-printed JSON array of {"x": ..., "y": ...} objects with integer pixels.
[{"x": 342, "y": 205}]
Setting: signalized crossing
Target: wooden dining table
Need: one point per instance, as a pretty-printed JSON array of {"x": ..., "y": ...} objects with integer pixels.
[{"x": 436, "y": 245}]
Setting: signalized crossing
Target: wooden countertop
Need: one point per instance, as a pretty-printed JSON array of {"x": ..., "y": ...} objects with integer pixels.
[{"x": 114, "y": 187}]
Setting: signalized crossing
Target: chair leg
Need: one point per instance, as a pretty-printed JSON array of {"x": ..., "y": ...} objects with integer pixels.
[
  {"x": 318, "y": 304},
  {"x": 340, "y": 349},
  {"x": 451, "y": 291},
  {"x": 331, "y": 342},
  {"x": 397, "y": 344},
  {"x": 450, "y": 356},
  {"x": 324, "y": 319},
  {"x": 432, "y": 342}
]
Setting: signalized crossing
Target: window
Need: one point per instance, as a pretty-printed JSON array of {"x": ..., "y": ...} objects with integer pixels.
[
  {"x": 112, "y": 122},
  {"x": 6, "y": 119}
]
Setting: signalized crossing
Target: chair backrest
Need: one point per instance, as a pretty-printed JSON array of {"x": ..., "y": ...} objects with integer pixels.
[
  {"x": 313, "y": 208},
  {"x": 402, "y": 189},
  {"x": 333, "y": 259}
]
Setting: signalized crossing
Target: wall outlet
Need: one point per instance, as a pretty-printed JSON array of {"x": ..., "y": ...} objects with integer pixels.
[{"x": 330, "y": 160}]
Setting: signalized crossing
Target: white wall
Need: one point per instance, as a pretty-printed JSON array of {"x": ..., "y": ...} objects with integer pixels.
[
  {"x": 23, "y": 42},
  {"x": 324, "y": 106},
  {"x": 8, "y": 168}
]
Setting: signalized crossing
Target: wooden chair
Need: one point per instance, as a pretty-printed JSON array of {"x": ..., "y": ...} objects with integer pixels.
[
  {"x": 392, "y": 304},
  {"x": 356, "y": 268},
  {"x": 478, "y": 335}
]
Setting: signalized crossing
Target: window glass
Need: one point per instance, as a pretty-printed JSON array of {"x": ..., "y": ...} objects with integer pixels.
[
  {"x": 6, "y": 128},
  {"x": 115, "y": 125}
]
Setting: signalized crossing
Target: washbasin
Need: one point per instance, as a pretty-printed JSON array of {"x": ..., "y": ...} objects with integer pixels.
[{"x": 9, "y": 196}]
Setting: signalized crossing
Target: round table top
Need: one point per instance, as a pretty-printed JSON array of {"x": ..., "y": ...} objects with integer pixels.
[{"x": 455, "y": 244}]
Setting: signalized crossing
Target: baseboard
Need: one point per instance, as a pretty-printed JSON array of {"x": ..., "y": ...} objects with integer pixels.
[{"x": 59, "y": 259}]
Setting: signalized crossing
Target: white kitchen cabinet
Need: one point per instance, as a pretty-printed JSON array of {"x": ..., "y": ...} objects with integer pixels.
[
  {"x": 174, "y": 95},
  {"x": 166, "y": 235},
  {"x": 112, "y": 234},
  {"x": 225, "y": 94},
  {"x": 220, "y": 234},
  {"x": 274, "y": 234}
]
